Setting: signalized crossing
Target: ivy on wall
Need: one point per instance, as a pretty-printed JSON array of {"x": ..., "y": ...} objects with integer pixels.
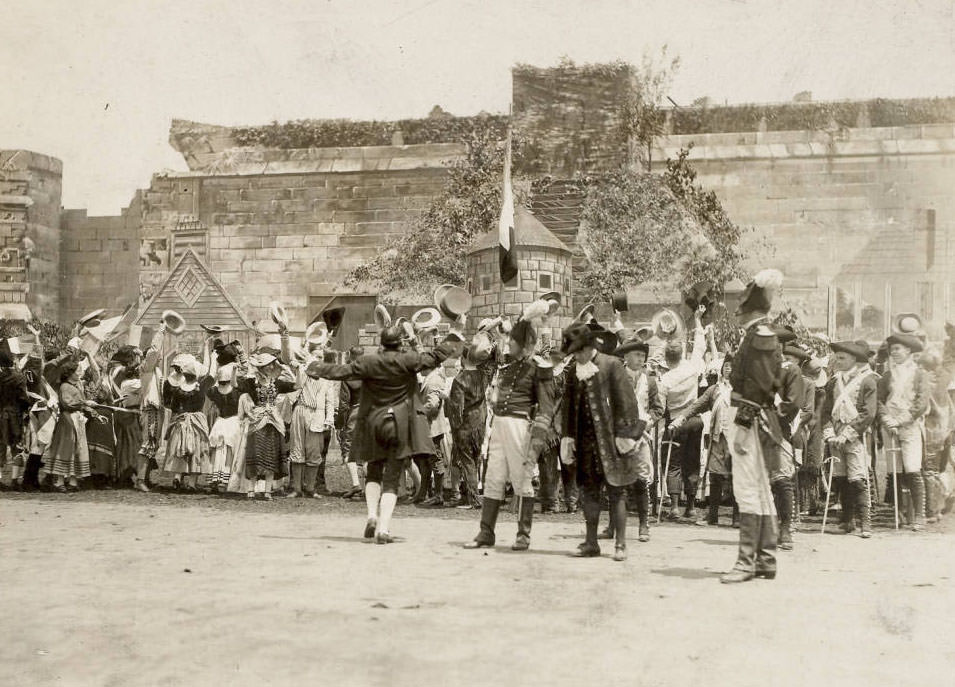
[
  {"x": 335, "y": 133},
  {"x": 880, "y": 112}
]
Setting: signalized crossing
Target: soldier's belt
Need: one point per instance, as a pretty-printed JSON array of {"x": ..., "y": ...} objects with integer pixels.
[{"x": 514, "y": 413}]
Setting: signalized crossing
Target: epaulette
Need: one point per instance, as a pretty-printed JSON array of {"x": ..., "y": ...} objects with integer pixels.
[{"x": 764, "y": 338}]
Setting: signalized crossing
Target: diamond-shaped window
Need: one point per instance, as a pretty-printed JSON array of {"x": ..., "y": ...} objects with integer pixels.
[{"x": 190, "y": 287}]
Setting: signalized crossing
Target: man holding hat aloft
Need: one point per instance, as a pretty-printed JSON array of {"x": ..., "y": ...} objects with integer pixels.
[
  {"x": 602, "y": 428},
  {"x": 391, "y": 431},
  {"x": 904, "y": 391},
  {"x": 756, "y": 433},
  {"x": 849, "y": 409},
  {"x": 523, "y": 406}
]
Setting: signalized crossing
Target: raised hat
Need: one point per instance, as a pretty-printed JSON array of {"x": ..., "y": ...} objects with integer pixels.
[
  {"x": 796, "y": 352},
  {"x": 92, "y": 319},
  {"x": 452, "y": 301},
  {"x": 333, "y": 318}
]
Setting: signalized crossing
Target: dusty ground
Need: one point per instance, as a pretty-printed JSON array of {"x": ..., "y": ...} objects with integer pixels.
[{"x": 124, "y": 589}]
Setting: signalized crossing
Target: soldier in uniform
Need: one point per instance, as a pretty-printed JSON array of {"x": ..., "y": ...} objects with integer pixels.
[
  {"x": 392, "y": 428},
  {"x": 849, "y": 409},
  {"x": 904, "y": 391},
  {"x": 523, "y": 406},
  {"x": 602, "y": 429},
  {"x": 345, "y": 420},
  {"x": 756, "y": 433},
  {"x": 790, "y": 396},
  {"x": 635, "y": 352}
]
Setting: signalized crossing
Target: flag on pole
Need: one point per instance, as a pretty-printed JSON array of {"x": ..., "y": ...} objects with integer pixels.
[{"x": 505, "y": 225}]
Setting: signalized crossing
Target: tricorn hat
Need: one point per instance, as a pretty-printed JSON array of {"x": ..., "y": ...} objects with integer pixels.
[
  {"x": 579, "y": 335},
  {"x": 858, "y": 350}
]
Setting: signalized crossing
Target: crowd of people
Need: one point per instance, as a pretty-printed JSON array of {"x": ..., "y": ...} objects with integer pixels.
[{"x": 777, "y": 429}]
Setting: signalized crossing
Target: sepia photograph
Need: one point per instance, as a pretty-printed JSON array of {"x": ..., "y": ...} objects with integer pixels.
[{"x": 446, "y": 342}]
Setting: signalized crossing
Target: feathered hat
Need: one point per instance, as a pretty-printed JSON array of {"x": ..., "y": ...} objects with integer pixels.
[
  {"x": 525, "y": 331},
  {"x": 759, "y": 293}
]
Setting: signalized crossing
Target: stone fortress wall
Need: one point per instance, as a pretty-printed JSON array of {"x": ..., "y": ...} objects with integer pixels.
[{"x": 860, "y": 215}]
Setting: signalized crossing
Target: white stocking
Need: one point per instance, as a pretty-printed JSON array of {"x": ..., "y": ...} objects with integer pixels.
[
  {"x": 353, "y": 473},
  {"x": 372, "y": 496},
  {"x": 388, "y": 501}
]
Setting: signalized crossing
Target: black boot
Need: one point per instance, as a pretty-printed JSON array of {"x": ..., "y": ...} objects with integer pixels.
[
  {"x": 424, "y": 470},
  {"x": 766, "y": 548},
  {"x": 524, "y": 521},
  {"x": 643, "y": 510},
  {"x": 716, "y": 496},
  {"x": 745, "y": 567},
  {"x": 847, "y": 500},
  {"x": 590, "y": 548},
  {"x": 31, "y": 472},
  {"x": 783, "y": 495},
  {"x": 437, "y": 501},
  {"x": 485, "y": 538},
  {"x": 862, "y": 507},
  {"x": 917, "y": 489}
]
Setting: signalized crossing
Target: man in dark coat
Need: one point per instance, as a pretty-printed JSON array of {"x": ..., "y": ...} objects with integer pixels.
[
  {"x": 394, "y": 427},
  {"x": 601, "y": 424},
  {"x": 756, "y": 432},
  {"x": 14, "y": 405}
]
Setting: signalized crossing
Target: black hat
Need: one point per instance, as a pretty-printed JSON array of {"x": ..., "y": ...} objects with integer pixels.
[
  {"x": 333, "y": 318},
  {"x": 391, "y": 337},
  {"x": 699, "y": 294},
  {"x": 759, "y": 293},
  {"x": 524, "y": 333},
  {"x": 633, "y": 344},
  {"x": 784, "y": 334},
  {"x": 579, "y": 335},
  {"x": 858, "y": 350},
  {"x": 796, "y": 352},
  {"x": 910, "y": 341}
]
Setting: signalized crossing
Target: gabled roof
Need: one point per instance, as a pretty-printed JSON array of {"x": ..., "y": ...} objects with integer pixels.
[
  {"x": 194, "y": 292},
  {"x": 529, "y": 232},
  {"x": 894, "y": 249}
]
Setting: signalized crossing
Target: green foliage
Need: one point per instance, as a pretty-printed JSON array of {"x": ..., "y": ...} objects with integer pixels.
[
  {"x": 633, "y": 231},
  {"x": 433, "y": 251},
  {"x": 643, "y": 116},
  {"x": 812, "y": 116},
  {"x": 705, "y": 207},
  {"x": 334, "y": 133}
]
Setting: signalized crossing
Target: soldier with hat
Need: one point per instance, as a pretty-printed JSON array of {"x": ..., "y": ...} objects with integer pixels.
[
  {"x": 756, "y": 432},
  {"x": 522, "y": 401},
  {"x": 466, "y": 410},
  {"x": 392, "y": 429},
  {"x": 602, "y": 429},
  {"x": 635, "y": 352},
  {"x": 904, "y": 391},
  {"x": 849, "y": 409},
  {"x": 790, "y": 400}
]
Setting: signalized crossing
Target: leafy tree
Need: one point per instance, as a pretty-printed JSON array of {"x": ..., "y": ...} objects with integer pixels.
[
  {"x": 433, "y": 250},
  {"x": 643, "y": 115}
]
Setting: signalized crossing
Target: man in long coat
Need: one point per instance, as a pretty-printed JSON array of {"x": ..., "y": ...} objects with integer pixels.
[
  {"x": 601, "y": 429},
  {"x": 395, "y": 427}
]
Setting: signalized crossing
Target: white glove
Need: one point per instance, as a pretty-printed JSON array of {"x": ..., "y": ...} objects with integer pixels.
[
  {"x": 624, "y": 444},
  {"x": 567, "y": 448}
]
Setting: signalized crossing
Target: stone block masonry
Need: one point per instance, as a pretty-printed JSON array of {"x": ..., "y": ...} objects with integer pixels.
[{"x": 270, "y": 230}]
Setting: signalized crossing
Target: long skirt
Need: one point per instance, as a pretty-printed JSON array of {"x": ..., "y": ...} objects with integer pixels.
[
  {"x": 265, "y": 452},
  {"x": 187, "y": 445},
  {"x": 238, "y": 483},
  {"x": 68, "y": 446},
  {"x": 102, "y": 445},
  {"x": 129, "y": 436},
  {"x": 224, "y": 437}
]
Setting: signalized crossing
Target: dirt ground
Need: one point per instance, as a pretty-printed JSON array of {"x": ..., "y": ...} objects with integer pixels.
[{"x": 118, "y": 588}]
